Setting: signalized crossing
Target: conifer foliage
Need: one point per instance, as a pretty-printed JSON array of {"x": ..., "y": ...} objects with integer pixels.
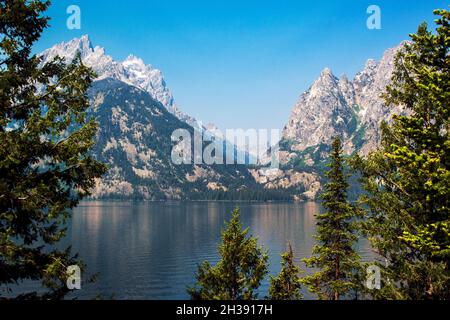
[
  {"x": 287, "y": 284},
  {"x": 334, "y": 254},
  {"x": 45, "y": 139},
  {"x": 408, "y": 178},
  {"x": 238, "y": 274}
]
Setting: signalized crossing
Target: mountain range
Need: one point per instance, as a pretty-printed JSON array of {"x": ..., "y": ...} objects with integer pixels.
[
  {"x": 351, "y": 109},
  {"x": 132, "y": 71},
  {"x": 137, "y": 113}
]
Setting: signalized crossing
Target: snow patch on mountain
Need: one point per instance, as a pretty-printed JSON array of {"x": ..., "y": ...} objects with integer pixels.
[{"x": 132, "y": 71}]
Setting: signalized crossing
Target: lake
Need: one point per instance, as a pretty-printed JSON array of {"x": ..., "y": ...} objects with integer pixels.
[{"x": 151, "y": 250}]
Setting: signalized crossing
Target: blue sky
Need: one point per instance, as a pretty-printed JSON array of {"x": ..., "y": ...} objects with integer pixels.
[{"x": 241, "y": 64}]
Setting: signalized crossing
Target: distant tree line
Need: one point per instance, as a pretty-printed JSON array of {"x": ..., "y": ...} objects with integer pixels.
[{"x": 257, "y": 194}]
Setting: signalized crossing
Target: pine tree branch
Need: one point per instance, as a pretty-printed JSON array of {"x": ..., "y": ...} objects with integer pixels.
[
  {"x": 383, "y": 176},
  {"x": 44, "y": 96}
]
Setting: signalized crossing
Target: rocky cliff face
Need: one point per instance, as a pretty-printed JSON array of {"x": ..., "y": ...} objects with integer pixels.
[
  {"x": 132, "y": 71},
  {"x": 321, "y": 113},
  {"x": 137, "y": 115},
  {"x": 351, "y": 109},
  {"x": 134, "y": 139}
]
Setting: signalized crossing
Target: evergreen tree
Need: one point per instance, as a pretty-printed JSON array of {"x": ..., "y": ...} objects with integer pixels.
[
  {"x": 238, "y": 274},
  {"x": 45, "y": 139},
  {"x": 407, "y": 179},
  {"x": 287, "y": 285},
  {"x": 334, "y": 256}
]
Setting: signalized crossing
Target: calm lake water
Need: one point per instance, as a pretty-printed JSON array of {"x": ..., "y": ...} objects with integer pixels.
[{"x": 151, "y": 250}]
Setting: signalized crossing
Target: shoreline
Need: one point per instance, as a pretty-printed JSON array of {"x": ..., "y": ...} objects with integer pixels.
[{"x": 193, "y": 201}]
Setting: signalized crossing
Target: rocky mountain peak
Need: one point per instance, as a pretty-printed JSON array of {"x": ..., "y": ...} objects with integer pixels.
[
  {"x": 365, "y": 78},
  {"x": 347, "y": 90},
  {"x": 132, "y": 70},
  {"x": 371, "y": 65},
  {"x": 326, "y": 77},
  {"x": 326, "y": 82},
  {"x": 69, "y": 49},
  {"x": 352, "y": 109},
  {"x": 84, "y": 42},
  {"x": 133, "y": 59},
  {"x": 137, "y": 64},
  {"x": 326, "y": 73},
  {"x": 320, "y": 113}
]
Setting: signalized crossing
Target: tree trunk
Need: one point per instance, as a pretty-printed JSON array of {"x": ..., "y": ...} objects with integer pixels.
[{"x": 337, "y": 276}]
